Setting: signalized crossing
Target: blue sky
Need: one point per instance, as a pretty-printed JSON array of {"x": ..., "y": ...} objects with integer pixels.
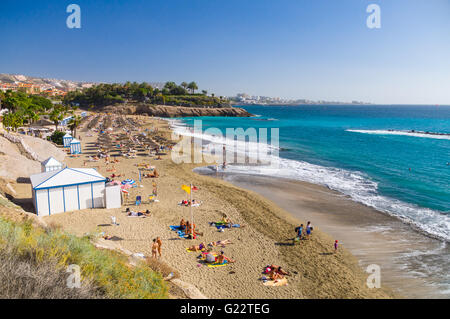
[{"x": 313, "y": 49}]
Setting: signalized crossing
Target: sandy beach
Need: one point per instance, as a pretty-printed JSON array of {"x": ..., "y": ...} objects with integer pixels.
[{"x": 316, "y": 272}]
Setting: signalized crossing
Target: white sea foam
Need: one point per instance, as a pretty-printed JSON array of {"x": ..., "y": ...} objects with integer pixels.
[
  {"x": 354, "y": 184},
  {"x": 404, "y": 133}
]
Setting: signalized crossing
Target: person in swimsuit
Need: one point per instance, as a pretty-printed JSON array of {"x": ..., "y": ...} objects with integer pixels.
[
  {"x": 335, "y": 246},
  {"x": 275, "y": 275},
  {"x": 159, "y": 242},
  {"x": 197, "y": 248},
  {"x": 188, "y": 229},
  {"x": 278, "y": 269},
  {"x": 222, "y": 243},
  {"x": 221, "y": 258},
  {"x": 154, "y": 248},
  {"x": 308, "y": 229},
  {"x": 299, "y": 231},
  {"x": 182, "y": 224}
]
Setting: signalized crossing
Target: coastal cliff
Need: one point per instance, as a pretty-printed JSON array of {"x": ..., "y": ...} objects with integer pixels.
[{"x": 174, "y": 111}]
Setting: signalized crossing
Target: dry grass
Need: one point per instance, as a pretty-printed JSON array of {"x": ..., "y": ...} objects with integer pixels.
[
  {"x": 161, "y": 267},
  {"x": 22, "y": 277},
  {"x": 44, "y": 254}
]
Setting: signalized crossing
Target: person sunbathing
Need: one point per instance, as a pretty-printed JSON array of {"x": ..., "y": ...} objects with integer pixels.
[
  {"x": 152, "y": 175},
  {"x": 197, "y": 247},
  {"x": 196, "y": 232},
  {"x": 182, "y": 224},
  {"x": 275, "y": 276},
  {"x": 132, "y": 213},
  {"x": 221, "y": 259},
  {"x": 277, "y": 269},
  {"x": 183, "y": 203},
  {"x": 146, "y": 213},
  {"x": 222, "y": 243}
]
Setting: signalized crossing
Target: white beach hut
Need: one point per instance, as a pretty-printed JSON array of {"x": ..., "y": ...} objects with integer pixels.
[
  {"x": 75, "y": 146},
  {"x": 67, "y": 190},
  {"x": 51, "y": 164},
  {"x": 67, "y": 139}
]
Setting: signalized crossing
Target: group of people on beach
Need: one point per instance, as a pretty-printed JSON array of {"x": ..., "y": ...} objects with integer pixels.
[
  {"x": 300, "y": 234},
  {"x": 300, "y": 231},
  {"x": 189, "y": 228},
  {"x": 275, "y": 272},
  {"x": 156, "y": 247}
]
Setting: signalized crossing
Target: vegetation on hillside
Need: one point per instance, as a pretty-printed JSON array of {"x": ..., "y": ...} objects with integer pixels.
[
  {"x": 45, "y": 254},
  {"x": 172, "y": 94},
  {"x": 26, "y": 109},
  {"x": 23, "y": 108}
]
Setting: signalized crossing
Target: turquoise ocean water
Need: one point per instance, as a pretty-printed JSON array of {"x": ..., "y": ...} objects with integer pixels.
[{"x": 361, "y": 152}]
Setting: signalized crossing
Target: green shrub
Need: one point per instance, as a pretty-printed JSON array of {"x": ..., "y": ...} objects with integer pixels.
[{"x": 57, "y": 137}]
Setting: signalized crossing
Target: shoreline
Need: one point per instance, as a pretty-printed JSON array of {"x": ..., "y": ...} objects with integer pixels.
[{"x": 373, "y": 237}]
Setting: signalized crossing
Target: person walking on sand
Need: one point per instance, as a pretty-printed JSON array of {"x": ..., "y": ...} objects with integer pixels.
[
  {"x": 299, "y": 231},
  {"x": 335, "y": 246},
  {"x": 159, "y": 242},
  {"x": 154, "y": 248},
  {"x": 309, "y": 229}
]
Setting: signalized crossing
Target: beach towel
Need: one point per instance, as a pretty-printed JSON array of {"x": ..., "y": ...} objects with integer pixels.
[
  {"x": 179, "y": 232},
  {"x": 225, "y": 262},
  {"x": 128, "y": 181},
  {"x": 226, "y": 226},
  {"x": 273, "y": 283},
  {"x": 193, "y": 251}
]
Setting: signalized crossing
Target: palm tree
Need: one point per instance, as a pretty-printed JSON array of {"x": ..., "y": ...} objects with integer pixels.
[
  {"x": 170, "y": 85},
  {"x": 184, "y": 85},
  {"x": 57, "y": 115},
  {"x": 192, "y": 86},
  {"x": 74, "y": 123}
]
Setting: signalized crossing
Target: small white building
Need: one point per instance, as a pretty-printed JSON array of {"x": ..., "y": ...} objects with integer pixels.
[
  {"x": 51, "y": 164},
  {"x": 67, "y": 190},
  {"x": 113, "y": 197},
  {"x": 67, "y": 139},
  {"x": 75, "y": 146}
]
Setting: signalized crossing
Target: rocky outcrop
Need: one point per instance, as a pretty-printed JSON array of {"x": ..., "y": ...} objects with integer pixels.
[{"x": 174, "y": 111}]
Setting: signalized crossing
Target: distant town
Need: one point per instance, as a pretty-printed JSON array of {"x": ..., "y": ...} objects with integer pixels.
[
  {"x": 57, "y": 89},
  {"x": 245, "y": 99},
  {"x": 40, "y": 86}
]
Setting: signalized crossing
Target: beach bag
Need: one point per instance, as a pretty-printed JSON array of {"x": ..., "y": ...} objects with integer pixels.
[{"x": 210, "y": 258}]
